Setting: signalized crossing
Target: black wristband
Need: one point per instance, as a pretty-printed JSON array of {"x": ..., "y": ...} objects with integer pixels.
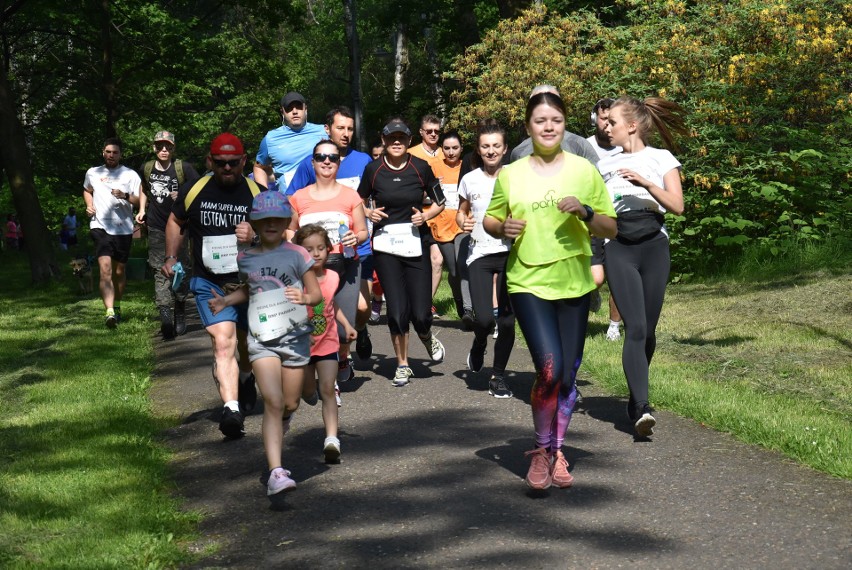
[
  {"x": 589, "y": 214},
  {"x": 127, "y": 196}
]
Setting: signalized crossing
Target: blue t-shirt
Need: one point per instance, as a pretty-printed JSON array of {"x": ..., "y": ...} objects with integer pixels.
[
  {"x": 284, "y": 148},
  {"x": 349, "y": 175}
]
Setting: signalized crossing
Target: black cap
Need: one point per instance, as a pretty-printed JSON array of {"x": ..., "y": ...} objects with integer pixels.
[
  {"x": 292, "y": 97},
  {"x": 396, "y": 127}
]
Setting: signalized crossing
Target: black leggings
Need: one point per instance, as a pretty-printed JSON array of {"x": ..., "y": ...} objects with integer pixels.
[
  {"x": 556, "y": 335},
  {"x": 482, "y": 273},
  {"x": 637, "y": 274},
  {"x": 455, "y": 258},
  {"x": 407, "y": 284}
]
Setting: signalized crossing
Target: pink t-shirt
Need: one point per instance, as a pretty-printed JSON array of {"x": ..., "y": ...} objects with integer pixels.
[
  {"x": 327, "y": 213},
  {"x": 322, "y": 317}
]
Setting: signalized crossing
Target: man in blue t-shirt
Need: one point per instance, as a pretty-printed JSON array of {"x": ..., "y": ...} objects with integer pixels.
[
  {"x": 283, "y": 148},
  {"x": 340, "y": 127}
]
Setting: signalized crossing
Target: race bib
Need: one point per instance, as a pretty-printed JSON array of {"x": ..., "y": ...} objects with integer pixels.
[
  {"x": 451, "y": 191},
  {"x": 330, "y": 222},
  {"x": 398, "y": 239},
  {"x": 219, "y": 254},
  {"x": 271, "y": 315},
  {"x": 483, "y": 238}
]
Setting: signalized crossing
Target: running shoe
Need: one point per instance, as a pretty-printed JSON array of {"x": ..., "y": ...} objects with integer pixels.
[
  {"x": 331, "y": 449},
  {"x": 494, "y": 335},
  {"x": 345, "y": 371},
  {"x": 247, "y": 394},
  {"x": 180, "y": 318},
  {"x": 613, "y": 332},
  {"x": 559, "y": 471},
  {"x": 403, "y": 376},
  {"x": 375, "y": 311},
  {"x": 433, "y": 347},
  {"x": 111, "y": 320},
  {"x": 279, "y": 480},
  {"x": 231, "y": 424},
  {"x": 468, "y": 320},
  {"x": 538, "y": 477},
  {"x": 337, "y": 399},
  {"x": 363, "y": 345},
  {"x": 476, "y": 356},
  {"x": 644, "y": 426},
  {"x": 497, "y": 387},
  {"x": 595, "y": 301}
]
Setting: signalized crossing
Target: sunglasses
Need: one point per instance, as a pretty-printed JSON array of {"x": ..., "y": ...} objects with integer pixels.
[
  {"x": 163, "y": 146},
  {"x": 233, "y": 163},
  {"x": 431, "y": 131},
  {"x": 319, "y": 157}
]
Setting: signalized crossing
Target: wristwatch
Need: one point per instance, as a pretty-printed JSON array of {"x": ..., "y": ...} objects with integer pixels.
[
  {"x": 589, "y": 213},
  {"x": 127, "y": 196}
]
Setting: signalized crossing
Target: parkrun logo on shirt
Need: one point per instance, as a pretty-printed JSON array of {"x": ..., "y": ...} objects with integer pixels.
[{"x": 549, "y": 201}]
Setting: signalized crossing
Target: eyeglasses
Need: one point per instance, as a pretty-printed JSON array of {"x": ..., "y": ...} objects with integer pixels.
[
  {"x": 163, "y": 146},
  {"x": 320, "y": 157},
  {"x": 233, "y": 163},
  {"x": 431, "y": 131},
  {"x": 296, "y": 105}
]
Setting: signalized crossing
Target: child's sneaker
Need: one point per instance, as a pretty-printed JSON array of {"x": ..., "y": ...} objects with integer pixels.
[
  {"x": 331, "y": 449},
  {"x": 279, "y": 480},
  {"x": 375, "y": 311},
  {"x": 403, "y": 376},
  {"x": 434, "y": 347},
  {"x": 345, "y": 371}
]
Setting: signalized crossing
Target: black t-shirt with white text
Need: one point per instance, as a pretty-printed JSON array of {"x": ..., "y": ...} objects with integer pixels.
[{"x": 159, "y": 186}]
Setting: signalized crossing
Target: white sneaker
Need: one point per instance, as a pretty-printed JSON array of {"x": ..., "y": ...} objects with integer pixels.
[
  {"x": 494, "y": 335},
  {"x": 402, "y": 376},
  {"x": 433, "y": 347},
  {"x": 331, "y": 449},
  {"x": 337, "y": 395},
  {"x": 613, "y": 332},
  {"x": 279, "y": 480}
]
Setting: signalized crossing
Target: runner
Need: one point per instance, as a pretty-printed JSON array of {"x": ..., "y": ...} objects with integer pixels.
[
  {"x": 548, "y": 203},
  {"x": 644, "y": 184}
]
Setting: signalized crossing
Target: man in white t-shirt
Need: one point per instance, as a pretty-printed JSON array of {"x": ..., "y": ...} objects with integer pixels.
[{"x": 110, "y": 192}]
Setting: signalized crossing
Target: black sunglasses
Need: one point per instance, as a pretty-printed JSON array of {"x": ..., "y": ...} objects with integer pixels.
[
  {"x": 221, "y": 163},
  {"x": 320, "y": 157},
  {"x": 163, "y": 145}
]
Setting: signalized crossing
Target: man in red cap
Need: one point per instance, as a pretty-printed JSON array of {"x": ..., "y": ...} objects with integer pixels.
[{"x": 214, "y": 212}]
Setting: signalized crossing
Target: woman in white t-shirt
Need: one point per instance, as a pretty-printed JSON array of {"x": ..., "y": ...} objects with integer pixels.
[
  {"x": 487, "y": 259},
  {"x": 644, "y": 183}
]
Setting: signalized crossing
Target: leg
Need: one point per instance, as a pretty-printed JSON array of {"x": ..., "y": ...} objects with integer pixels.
[
  {"x": 437, "y": 263},
  {"x": 119, "y": 280},
  {"x": 106, "y": 284},
  {"x": 327, "y": 373},
  {"x": 268, "y": 372},
  {"x": 223, "y": 336},
  {"x": 462, "y": 243}
]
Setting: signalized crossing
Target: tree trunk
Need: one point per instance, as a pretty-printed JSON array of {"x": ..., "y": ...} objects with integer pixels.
[
  {"x": 107, "y": 80},
  {"x": 15, "y": 162},
  {"x": 400, "y": 62},
  {"x": 351, "y": 28},
  {"x": 437, "y": 85}
]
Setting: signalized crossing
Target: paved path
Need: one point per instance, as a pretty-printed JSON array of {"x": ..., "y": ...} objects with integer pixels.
[{"x": 432, "y": 473}]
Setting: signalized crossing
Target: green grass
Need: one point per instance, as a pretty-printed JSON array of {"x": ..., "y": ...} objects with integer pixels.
[
  {"x": 83, "y": 481},
  {"x": 763, "y": 352}
]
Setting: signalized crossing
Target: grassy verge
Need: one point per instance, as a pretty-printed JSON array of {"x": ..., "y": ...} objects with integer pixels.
[
  {"x": 764, "y": 353},
  {"x": 83, "y": 479}
]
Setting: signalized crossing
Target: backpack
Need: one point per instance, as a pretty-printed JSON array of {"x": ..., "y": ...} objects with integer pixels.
[
  {"x": 198, "y": 186},
  {"x": 149, "y": 167}
]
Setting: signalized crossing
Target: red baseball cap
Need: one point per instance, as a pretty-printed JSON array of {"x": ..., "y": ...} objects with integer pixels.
[{"x": 226, "y": 143}]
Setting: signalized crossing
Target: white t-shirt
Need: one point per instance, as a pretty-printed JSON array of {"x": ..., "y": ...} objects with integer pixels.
[
  {"x": 603, "y": 152},
  {"x": 476, "y": 187},
  {"x": 113, "y": 215},
  {"x": 650, "y": 163}
]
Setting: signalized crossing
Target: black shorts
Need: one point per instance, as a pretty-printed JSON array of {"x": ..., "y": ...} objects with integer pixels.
[
  {"x": 116, "y": 247},
  {"x": 315, "y": 359},
  {"x": 597, "y": 251}
]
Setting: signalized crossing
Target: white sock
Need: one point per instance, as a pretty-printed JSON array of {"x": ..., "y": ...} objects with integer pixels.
[
  {"x": 614, "y": 324},
  {"x": 233, "y": 405}
]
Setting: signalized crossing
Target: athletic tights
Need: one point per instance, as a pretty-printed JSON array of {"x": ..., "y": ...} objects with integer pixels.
[
  {"x": 482, "y": 272},
  {"x": 637, "y": 274},
  {"x": 407, "y": 284},
  {"x": 555, "y": 332}
]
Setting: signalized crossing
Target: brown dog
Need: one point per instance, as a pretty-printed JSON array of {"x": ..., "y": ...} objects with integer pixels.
[{"x": 82, "y": 270}]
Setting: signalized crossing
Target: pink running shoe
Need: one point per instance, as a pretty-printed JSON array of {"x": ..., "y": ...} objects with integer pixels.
[
  {"x": 279, "y": 480},
  {"x": 559, "y": 471},
  {"x": 538, "y": 477}
]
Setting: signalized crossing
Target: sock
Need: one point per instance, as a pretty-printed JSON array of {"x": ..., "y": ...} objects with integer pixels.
[
  {"x": 614, "y": 323},
  {"x": 110, "y": 312},
  {"x": 233, "y": 405}
]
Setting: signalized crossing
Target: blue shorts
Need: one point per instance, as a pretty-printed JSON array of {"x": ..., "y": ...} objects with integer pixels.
[
  {"x": 202, "y": 289},
  {"x": 367, "y": 267}
]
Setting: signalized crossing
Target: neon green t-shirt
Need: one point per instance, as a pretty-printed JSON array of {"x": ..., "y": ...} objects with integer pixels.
[{"x": 551, "y": 257}]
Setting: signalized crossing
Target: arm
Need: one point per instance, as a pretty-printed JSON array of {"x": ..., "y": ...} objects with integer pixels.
[
  {"x": 359, "y": 226},
  {"x": 236, "y": 297},
  {"x": 670, "y": 197},
  {"x": 294, "y": 226},
  {"x": 351, "y": 333},
  {"x": 510, "y": 228},
  {"x": 464, "y": 219},
  {"x": 262, "y": 172},
  {"x": 174, "y": 241},
  {"x": 143, "y": 205},
  {"x": 601, "y": 226},
  {"x": 312, "y": 295},
  {"x": 89, "y": 199}
]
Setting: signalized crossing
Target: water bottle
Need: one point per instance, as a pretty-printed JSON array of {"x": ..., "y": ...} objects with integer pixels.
[{"x": 342, "y": 230}]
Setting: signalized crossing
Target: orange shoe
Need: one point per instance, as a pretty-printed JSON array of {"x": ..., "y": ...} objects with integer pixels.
[
  {"x": 538, "y": 477},
  {"x": 559, "y": 471}
]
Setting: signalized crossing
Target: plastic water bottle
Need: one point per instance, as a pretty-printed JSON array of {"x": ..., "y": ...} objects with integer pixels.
[{"x": 342, "y": 230}]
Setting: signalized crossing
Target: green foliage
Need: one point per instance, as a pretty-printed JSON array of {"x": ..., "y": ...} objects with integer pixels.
[{"x": 766, "y": 84}]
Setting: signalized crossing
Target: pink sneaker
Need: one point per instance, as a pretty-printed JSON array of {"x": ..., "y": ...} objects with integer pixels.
[
  {"x": 559, "y": 471},
  {"x": 279, "y": 480},
  {"x": 538, "y": 477}
]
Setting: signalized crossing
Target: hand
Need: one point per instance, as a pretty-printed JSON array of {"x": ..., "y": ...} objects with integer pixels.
[
  {"x": 173, "y": 195},
  {"x": 633, "y": 178},
  {"x": 571, "y": 205},
  {"x": 166, "y": 269},
  {"x": 417, "y": 217},
  {"x": 349, "y": 239},
  {"x": 244, "y": 232},
  {"x": 377, "y": 214},
  {"x": 90, "y": 210},
  {"x": 296, "y": 295},
  {"x": 512, "y": 227},
  {"x": 217, "y": 303},
  {"x": 140, "y": 218},
  {"x": 116, "y": 193},
  {"x": 469, "y": 224},
  {"x": 351, "y": 334}
]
